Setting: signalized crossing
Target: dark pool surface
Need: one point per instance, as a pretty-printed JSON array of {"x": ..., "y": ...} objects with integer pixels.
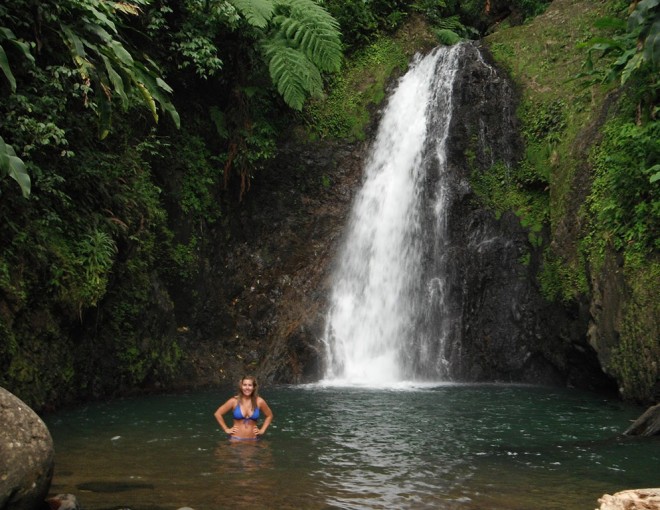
[{"x": 447, "y": 447}]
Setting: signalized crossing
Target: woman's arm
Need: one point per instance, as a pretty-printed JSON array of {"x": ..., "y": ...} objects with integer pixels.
[
  {"x": 263, "y": 407},
  {"x": 222, "y": 410}
]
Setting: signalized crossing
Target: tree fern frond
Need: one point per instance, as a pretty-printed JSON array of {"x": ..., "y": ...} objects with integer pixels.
[
  {"x": 310, "y": 28},
  {"x": 294, "y": 75},
  {"x": 257, "y": 12}
]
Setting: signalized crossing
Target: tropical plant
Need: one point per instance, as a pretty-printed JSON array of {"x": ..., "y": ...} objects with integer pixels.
[
  {"x": 304, "y": 41},
  {"x": 12, "y": 165},
  {"x": 296, "y": 40},
  {"x": 636, "y": 45},
  {"x": 8, "y": 38},
  {"x": 91, "y": 34},
  {"x": 87, "y": 35}
]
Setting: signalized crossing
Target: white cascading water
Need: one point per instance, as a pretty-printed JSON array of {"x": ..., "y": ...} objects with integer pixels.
[{"x": 378, "y": 301}]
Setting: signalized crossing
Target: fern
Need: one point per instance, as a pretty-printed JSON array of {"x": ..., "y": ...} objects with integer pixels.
[
  {"x": 300, "y": 41},
  {"x": 294, "y": 75},
  {"x": 256, "y": 12},
  {"x": 311, "y": 29}
]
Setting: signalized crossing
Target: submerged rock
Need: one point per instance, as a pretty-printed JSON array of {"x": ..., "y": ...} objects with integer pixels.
[
  {"x": 648, "y": 424},
  {"x": 636, "y": 499},
  {"x": 26, "y": 450},
  {"x": 63, "y": 502}
]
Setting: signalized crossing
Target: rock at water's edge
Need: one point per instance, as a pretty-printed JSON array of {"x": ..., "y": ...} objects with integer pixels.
[
  {"x": 648, "y": 424},
  {"x": 636, "y": 499},
  {"x": 63, "y": 502},
  {"x": 26, "y": 450}
]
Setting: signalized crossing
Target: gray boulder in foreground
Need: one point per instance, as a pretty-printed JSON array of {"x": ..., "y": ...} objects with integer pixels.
[
  {"x": 648, "y": 424},
  {"x": 26, "y": 455}
]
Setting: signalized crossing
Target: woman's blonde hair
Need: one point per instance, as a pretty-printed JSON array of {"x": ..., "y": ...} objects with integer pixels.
[{"x": 255, "y": 391}]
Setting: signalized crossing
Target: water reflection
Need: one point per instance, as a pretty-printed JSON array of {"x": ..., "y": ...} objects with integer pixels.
[
  {"x": 244, "y": 469},
  {"x": 245, "y": 456}
]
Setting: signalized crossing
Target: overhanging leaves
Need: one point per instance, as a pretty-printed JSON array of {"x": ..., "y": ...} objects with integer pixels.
[
  {"x": 8, "y": 38},
  {"x": 12, "y": 165},
  {"x": 256, "y": 12},
  {"x": 293, "y": 74}
]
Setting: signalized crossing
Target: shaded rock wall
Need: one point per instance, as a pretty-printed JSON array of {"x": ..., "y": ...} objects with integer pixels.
[{"x": 258, "y": 305}]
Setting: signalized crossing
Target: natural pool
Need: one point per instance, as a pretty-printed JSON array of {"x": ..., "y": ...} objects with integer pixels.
[{"x": 448, "y": 446}]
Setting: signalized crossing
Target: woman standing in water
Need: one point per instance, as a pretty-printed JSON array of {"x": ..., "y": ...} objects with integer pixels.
[{"x": 247, "y": 407}]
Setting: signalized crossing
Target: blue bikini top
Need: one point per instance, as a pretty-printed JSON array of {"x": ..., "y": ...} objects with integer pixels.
[{"x": 238, "y": 414}]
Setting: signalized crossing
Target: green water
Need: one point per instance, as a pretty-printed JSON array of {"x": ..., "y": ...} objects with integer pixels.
[{"x": 461, "y": 447}]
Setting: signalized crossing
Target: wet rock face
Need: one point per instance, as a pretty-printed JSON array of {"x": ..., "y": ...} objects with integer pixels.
[
  {"x": 508, "y": 331},
  {"x": 259, "y": 303},
  {"x": 26, "y": 455}
]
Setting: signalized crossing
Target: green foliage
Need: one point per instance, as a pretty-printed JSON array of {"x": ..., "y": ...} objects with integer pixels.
[
  {"x": 508, "y": 189},
  {"x": 471, "y": 18},
  {"x": 186, "y": 259},
  {"x": 363, "y": 22},
  {"x": 89, "y": 54},
  {"x": 7, "y": 38},
  {"x": 12, "y": 165},
  {"x": 447, "y": 37},
  {"x": 635, "y": 46},
  {"x": 531, "y": 8},
  {"x": 95, "y": 255},
  {"x": 91, "y": 35},
  {"x": 257, "y": 12},
  {"x": 560, "y": 279},
  {"x": 446, "y": 19},
  {"x": 624, "y": 206},
  {"x": 344, "y": 113},
  {"x": 544, "y": 122},
  {"x": 90, "y": 31},
  {"x": 304, "y": 44},
  {"x": 294, "y": 76}
]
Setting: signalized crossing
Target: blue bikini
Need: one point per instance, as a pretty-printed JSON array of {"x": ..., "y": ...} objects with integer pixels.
[{"x": 238, "y": 415}]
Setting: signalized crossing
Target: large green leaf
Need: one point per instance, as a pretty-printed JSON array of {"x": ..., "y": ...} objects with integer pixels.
[
  {"x": 116, "y": 80},
  {"x": 12, "y": 165},
  {"x": 8, "y": 37},
  {"x": 109, "y": 65},
  {"x": 159, "y": 92},
  {"x": 652, "y": 45},
  {"x": 4, "y": 65}
]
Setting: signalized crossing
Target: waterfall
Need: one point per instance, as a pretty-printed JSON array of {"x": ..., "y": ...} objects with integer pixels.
[{"x": 389, "y": 320}]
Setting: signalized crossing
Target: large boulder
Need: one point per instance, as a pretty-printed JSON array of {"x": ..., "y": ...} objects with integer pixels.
[
  {"x": 26, "y": 450},
  {"x": 636, "y": 499}
]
